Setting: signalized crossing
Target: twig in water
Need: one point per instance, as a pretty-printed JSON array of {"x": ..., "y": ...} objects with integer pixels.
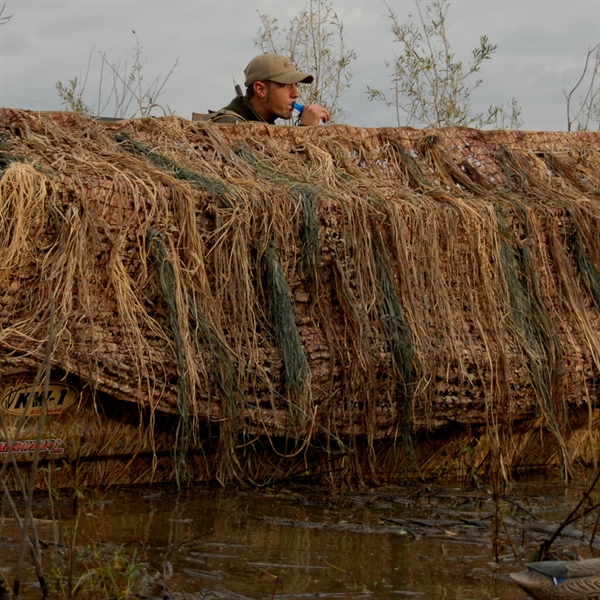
[
  {"x": 276, "y": 577},
  {"x": 544, "y": 548},
  {"x": 509, "y": 540},
  {"x": 594, "y": 530},
  {"x": 344, "y": 571},
  {"x": 527, "y": 512},
  {"x": 28, "y": 519}
]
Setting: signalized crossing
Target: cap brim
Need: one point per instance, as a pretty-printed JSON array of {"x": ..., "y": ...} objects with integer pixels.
[{"x": 293, "y": 77}]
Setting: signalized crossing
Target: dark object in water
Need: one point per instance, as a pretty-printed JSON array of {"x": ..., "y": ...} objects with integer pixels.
[{"x": 561, "y": 580}]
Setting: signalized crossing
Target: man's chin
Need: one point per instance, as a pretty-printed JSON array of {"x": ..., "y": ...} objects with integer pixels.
[{"x": 286, "y": 115}]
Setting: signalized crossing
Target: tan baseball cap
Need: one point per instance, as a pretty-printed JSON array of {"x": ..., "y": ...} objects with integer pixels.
[{"x": 274, "y": 67}]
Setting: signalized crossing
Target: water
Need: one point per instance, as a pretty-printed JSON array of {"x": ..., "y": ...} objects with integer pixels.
[{"x": 392, "y": 543}]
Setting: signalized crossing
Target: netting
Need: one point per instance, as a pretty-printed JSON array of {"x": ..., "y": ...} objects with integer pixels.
[{"x": 332, "y": 287}]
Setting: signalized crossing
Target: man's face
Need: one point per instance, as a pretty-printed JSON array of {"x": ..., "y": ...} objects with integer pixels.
[{"x": 279, "y": 98}]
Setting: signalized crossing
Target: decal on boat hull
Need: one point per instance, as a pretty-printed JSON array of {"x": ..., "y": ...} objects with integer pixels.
[{"x": 20, "y": 398}]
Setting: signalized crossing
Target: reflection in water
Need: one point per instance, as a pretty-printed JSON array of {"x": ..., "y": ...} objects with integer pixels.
[{"x": 391, "y": 543}]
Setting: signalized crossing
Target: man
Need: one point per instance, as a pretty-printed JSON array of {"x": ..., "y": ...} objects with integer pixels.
[{"x": 271, "y": 88}]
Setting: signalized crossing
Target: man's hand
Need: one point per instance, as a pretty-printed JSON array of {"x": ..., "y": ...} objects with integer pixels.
[{"x": 313, "y": 114}]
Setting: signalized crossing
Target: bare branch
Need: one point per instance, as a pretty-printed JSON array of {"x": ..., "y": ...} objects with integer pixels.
[
  {"x": 4, "y": 18},
  {"x": 587, "y": 104}
]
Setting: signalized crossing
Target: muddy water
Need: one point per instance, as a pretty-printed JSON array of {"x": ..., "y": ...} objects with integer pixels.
[{"x": 391, "y": 543}]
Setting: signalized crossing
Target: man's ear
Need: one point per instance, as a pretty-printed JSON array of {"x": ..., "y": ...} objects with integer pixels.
[{"x": 260, "y": 89}]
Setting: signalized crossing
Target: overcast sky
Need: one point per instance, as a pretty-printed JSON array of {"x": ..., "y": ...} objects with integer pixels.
[{"x": 542, "y": 45}]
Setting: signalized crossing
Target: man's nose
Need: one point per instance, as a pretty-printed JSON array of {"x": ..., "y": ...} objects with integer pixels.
[{"x": 294, "y": 91}]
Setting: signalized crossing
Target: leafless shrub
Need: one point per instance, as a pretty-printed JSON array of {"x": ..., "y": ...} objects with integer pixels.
[
  {"x": 129, "y": 93},
  {"x": 588, "y": 108}
]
